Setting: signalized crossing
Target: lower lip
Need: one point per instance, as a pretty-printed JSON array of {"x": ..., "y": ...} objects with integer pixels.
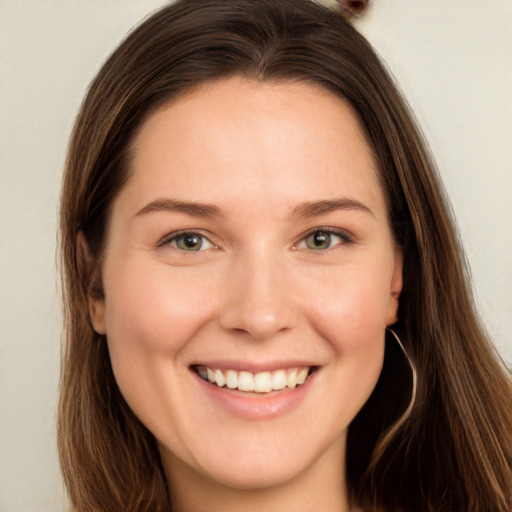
[{"x": 256, "y": 406}]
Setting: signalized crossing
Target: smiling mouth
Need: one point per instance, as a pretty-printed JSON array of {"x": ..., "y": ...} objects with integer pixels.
[{"x": 261, "y": 382}]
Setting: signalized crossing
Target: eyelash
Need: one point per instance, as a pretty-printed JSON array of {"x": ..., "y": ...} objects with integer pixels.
[
  {"x": 343, "y": 235},
  {"x": 172, "y": 239}
]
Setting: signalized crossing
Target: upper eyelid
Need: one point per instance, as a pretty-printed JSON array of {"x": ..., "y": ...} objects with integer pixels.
[
  {"x": 346, "y": 237},
  {"x": 343, "y": 233},
  {"x": 175, "y": 234}
]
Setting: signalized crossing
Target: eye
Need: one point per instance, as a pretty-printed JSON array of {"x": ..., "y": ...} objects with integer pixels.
[
  {"x": 190, "y": 241},
  {"x": 323, "y": 239}
]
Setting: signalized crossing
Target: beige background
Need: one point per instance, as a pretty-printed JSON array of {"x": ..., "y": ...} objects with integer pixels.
[{"x": 453, "y": 59}]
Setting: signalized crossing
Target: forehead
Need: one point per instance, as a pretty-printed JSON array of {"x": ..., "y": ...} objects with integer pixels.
[{"x": 238, "y": 137}]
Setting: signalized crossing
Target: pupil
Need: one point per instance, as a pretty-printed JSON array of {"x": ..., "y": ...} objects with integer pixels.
[
  {"x": 321, "y": 239},
  {"x": 191, "y": 241}
]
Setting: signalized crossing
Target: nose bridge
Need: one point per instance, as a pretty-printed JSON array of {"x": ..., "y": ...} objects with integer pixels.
[{"x": 258, "y": 299}]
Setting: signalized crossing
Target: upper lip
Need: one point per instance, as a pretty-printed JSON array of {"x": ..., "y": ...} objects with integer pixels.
[{"x": 254, "y": 366}]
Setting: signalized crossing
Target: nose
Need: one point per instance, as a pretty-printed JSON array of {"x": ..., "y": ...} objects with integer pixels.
[{"x": 258, "y": 298}]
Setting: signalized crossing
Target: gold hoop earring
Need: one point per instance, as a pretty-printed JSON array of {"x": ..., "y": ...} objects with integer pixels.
[
  {"x": 396, "y": 352},
  {"x": 414, "y": 385},
  {"x": 388, "y": 407}
]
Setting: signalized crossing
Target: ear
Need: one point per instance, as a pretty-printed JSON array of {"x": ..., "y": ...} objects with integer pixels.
[
  {"x": 90, "y": 274},
  {"x": 395, "y": 287}
]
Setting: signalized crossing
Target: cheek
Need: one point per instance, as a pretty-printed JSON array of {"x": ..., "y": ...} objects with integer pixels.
[
  {"x": 350, "y": 316},
  {"x": 350, "y": 311},
  {"x": 152, "y": 313},
  {"x": 351, "y": 308}
]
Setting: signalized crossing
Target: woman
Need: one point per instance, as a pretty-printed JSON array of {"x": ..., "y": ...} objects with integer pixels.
[{"x": 250, "y": 225}]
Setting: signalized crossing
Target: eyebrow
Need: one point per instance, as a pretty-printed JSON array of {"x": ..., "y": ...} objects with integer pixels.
[
  {"x": 176, "y": 205},
  {"x": 314, "y": 208},
  {"x": 303, "y": 210}
]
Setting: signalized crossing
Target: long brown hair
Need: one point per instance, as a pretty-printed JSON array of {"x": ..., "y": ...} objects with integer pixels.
[{"x": 454, "y": 450}]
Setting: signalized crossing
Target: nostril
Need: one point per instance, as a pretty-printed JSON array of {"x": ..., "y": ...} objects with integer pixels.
[{"x": 257, "y": 316}]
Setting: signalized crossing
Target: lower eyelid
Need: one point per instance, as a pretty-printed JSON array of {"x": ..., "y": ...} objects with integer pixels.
[
  {"x": 344, "y": 238},
  {"x": 205, "y": 244},
  {"x": 171, "y": 239}
]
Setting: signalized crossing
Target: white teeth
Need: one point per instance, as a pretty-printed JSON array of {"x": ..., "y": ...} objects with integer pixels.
[
  {"x": 245, "y": 381},
  {"x": 279, "y": 379},
  {"x": 291, "y": 380},
  {"x": 262, "y": 382},
  {"x": 219, "y": 378},
  {"x": 302, "y": 375},
  {"x": 231, "y": 379}
]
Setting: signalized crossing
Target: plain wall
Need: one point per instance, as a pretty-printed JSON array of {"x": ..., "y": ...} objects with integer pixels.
[{"x": 453, "y": 60}]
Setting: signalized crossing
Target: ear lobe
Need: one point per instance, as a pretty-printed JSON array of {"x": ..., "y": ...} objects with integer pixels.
[
  {"x": 90, "y": 274},
  {"x": 395, "y": 288}
]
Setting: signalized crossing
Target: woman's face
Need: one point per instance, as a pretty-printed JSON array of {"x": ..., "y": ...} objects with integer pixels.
[{"x": 249, "y": 246}]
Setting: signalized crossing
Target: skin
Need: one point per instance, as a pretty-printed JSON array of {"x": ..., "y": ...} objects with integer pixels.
[{"x": 256, "y": 291}]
